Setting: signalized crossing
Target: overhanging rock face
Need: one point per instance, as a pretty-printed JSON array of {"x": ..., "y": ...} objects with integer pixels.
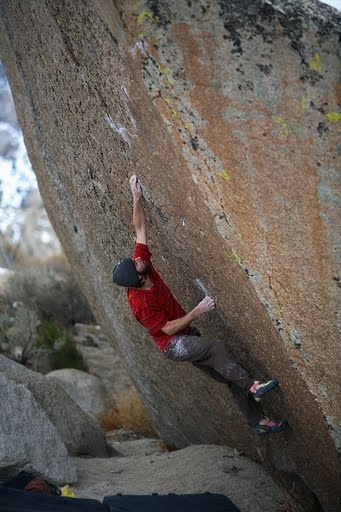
[{"x": 229, "y": 113}]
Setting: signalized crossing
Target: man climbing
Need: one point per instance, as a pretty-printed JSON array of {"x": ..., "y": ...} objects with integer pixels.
[{"x": 169, "y": 325}]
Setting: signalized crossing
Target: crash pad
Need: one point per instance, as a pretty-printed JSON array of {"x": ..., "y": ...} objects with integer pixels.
[
  {"x": 206, "y": 502},
  {"x": 14, "y": 500}
]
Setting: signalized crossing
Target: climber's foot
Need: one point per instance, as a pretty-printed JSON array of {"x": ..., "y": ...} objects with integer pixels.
[
  {"x": 266, "y": 426},
  {"x": 259, "y": 389}
]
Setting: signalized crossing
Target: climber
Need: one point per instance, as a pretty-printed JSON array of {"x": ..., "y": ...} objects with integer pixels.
[{"x": 169, "y": 325}]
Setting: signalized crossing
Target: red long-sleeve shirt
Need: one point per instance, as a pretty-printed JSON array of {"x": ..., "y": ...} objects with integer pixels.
[{"x": 155, "y": 307}]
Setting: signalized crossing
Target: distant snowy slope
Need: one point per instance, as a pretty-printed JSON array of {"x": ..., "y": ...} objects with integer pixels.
[{"x": 23, "y": 220}]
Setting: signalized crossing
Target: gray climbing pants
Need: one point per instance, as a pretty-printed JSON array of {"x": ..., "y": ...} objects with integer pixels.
[
  {"x": 212, "y": 353},
  {"x": 214, "y": 358}
]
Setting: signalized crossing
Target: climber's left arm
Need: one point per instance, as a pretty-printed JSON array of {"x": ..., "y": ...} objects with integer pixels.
[{"x": 139, "y": 215}]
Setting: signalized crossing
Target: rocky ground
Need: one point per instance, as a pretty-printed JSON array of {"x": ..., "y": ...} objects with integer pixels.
[{"x": 145, "y": 468}]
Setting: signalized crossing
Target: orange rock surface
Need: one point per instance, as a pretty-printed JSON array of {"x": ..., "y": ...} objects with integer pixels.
[{"x": 229, "y": 113}]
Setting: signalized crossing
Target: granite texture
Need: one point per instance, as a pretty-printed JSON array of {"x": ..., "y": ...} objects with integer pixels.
[{"x": 230, "y": 114}]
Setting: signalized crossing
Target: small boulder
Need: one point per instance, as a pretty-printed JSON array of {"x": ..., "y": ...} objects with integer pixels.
[
  {"x": 85, "y": 389},
  {"x": 81, "y": 433},
  {"x": 102, "y": 359},
  {"x": 29, "y": 440}
]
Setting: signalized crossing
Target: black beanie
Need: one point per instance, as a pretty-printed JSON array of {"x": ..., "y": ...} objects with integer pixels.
[{"x": 125, "y": 273}]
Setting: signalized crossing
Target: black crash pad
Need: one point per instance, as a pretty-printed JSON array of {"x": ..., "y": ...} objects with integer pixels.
[
  {"x": 170, "y": 503},
  {"x": 14, "y": 500}
]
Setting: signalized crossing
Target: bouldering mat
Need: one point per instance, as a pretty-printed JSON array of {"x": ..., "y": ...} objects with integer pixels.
[
  {"x": 170, "y": 503},
  {"x": 14, "y": 500}
]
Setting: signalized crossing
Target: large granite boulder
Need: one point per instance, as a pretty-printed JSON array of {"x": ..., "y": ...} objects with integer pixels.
[
  {"x": 228, "y": 111},
  {"x": 86, "y": 390},
  {"x": 80, "y": 432},
  {"x": 28, "y": 439}
]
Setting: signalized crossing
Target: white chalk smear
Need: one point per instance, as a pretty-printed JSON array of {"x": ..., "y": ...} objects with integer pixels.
[
  {"x": 125, "y": 91},
  {"x": 200, "y": 285},
  {"x": 133, "y": 122},
  {"x": 138, "y": 46},
  {"x": 118, "y": 128}
]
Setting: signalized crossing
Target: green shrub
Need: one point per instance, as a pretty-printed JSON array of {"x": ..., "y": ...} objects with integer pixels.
[
  {"x": 37, "y": 306},
  {"x": 60, "y": 346}
]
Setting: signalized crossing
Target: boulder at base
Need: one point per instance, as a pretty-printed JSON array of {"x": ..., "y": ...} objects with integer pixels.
[
  {"x": 80, "y": 433},
  {"x": 85, "y": 389},
  {"x": 29, "y": 440}
]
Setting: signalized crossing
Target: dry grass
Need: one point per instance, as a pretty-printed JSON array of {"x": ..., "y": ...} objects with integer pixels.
[
  {"x": 295, "y": 502},
  {"x": 130, "y": 414}
]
